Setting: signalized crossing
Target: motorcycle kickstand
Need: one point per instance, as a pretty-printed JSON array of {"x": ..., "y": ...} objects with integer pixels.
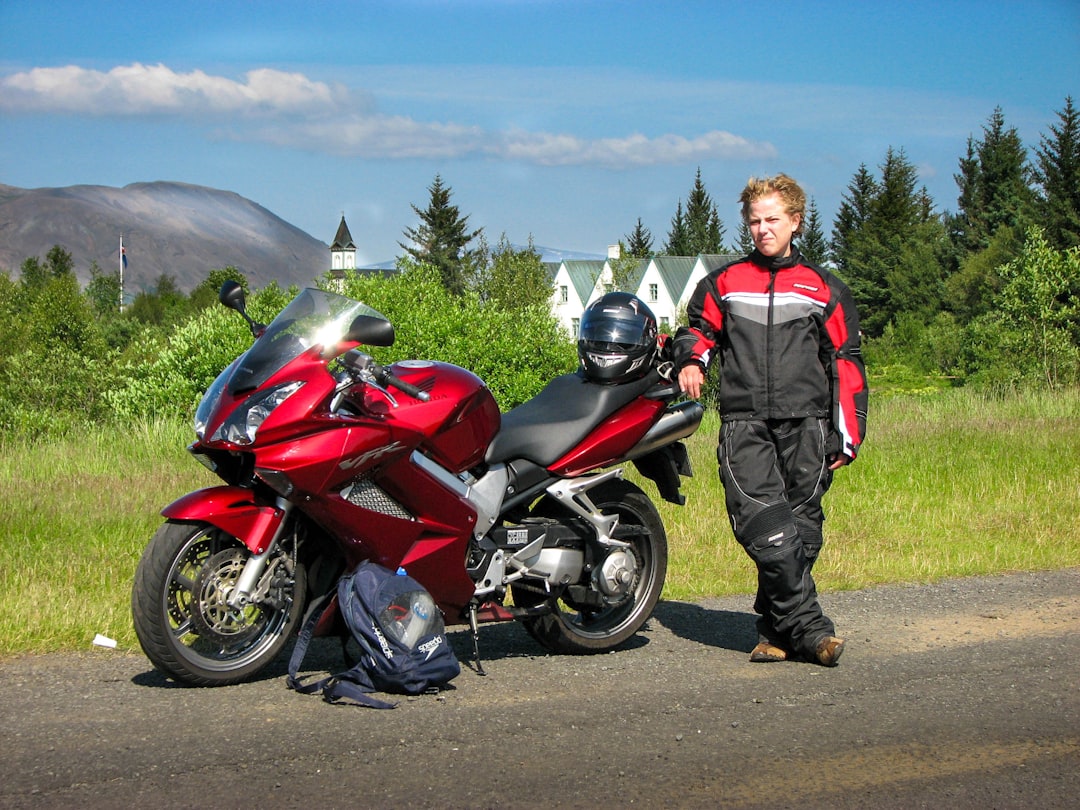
[{"x": 475, "y": 640}]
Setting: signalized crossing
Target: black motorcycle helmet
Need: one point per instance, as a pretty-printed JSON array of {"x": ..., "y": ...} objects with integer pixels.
[{"x": 617, "y": 338}]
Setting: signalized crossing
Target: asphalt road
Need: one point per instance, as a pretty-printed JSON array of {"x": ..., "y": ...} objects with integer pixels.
[{"x": 962, "y": 695}]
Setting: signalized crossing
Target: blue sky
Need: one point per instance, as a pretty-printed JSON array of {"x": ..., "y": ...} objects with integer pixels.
[{"x": 564, "y": 121}]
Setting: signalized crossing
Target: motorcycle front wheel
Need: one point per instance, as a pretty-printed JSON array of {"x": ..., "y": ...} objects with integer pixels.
[
  {"x": 182, "y": 617},
  {"x": 579, "y": 628}
]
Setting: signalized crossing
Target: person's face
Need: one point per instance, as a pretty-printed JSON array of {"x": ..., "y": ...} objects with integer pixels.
[{"x": 771, "y": 227}]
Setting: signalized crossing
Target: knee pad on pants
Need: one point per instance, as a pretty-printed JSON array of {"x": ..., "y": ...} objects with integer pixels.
[{"x": 771, "y": 533}]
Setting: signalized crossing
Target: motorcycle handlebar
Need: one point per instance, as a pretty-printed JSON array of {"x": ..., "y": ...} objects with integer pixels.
[{"x": 387, "y": 378}]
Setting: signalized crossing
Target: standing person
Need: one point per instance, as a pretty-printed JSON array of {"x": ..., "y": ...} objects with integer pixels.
[{"x": 792, "y": 401}]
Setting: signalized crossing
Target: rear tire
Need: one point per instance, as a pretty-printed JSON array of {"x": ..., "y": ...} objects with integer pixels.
[
  {"x": 182, "y": 619},
  {"x": 576, "y": 631}
]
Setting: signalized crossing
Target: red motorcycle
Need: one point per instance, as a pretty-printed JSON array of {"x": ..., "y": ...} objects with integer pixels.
[{"x": 330, "y": 458}]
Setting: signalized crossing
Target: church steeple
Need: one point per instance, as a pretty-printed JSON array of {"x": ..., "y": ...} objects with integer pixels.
[{"x": 343, "y": 249}]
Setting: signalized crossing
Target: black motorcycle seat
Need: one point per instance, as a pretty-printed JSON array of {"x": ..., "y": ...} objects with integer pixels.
[{"x": 546, "y": 427}]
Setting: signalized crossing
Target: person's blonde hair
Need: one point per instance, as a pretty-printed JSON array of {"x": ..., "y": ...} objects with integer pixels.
[{"x": 791, "y": 195}]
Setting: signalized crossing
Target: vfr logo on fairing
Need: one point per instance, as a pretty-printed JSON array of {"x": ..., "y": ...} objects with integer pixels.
[{"x": 371, "y": 455}]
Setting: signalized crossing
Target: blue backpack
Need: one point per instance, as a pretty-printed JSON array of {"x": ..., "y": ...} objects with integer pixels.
[{"x": 402, "y": 638}]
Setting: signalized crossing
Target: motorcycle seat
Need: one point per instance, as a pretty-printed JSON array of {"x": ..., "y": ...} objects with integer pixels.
[{"x": 550, "y": 424}]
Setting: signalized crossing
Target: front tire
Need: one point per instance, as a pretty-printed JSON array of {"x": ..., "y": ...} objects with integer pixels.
[
  {"x": 182, "y": 619},
  {"x": 578, "y": 630}
]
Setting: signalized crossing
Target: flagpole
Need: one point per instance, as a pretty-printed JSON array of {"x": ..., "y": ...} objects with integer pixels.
[{"x": 121, "y": 272}]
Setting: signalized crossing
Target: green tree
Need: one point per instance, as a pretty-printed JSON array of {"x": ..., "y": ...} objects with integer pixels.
[
  {"x": 1057, "y": 172},
  {"x": 442, "y": 238},
  {"x": 1041, "y": 297},
  {"x": 971, "y": 290},
  {"x": 678, "y": 239},
  {"x": 103, "y": 291},
  {"x": 206, "y": 293},
  {"x": 639, "y": 241},
  {"x": 813, "y": 244},
  {"x": 744, "y": 240},
  {"x": 165, "y": 305},
  {"x": 891, "y": 260},
  {"x": 855, "y": 205},
  {"x": 513, "y": 280},
  {"x": 705, "y": 231},
  {"x": 33, "y": 274},
  {"x": 626, "y": 270},
  {"x": 993, "y": 183}
]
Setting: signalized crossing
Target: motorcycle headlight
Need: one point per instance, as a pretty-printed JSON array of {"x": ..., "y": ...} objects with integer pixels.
[
  {"x": 242, "y": 424},
  {"x": 210, "y": 401}
]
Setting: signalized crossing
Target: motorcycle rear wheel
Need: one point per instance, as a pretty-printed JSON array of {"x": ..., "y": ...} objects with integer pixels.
[
  {"x": 575, "y": 631},
  {"x": 182, "y": 620}
]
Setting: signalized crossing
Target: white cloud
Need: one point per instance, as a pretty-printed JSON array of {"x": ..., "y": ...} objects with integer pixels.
[
  {"x": 634, "y": 150},
  {"x": 139, "y": 90},
  {"x": 319, "y": 117}
]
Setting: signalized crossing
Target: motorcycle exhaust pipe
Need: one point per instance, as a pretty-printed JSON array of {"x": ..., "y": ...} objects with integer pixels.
[{"x": 678, "y": 422}]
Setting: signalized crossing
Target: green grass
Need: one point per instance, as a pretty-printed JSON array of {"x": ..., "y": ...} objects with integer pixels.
[{"x": 952, "y": 484}]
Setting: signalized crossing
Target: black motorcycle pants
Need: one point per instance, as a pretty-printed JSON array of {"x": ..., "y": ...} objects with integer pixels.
[{"x": 774, "y": 474}]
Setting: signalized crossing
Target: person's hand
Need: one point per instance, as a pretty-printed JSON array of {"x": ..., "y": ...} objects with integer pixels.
[
  {"x": 691, "y": 378},
  {"x": 840, "y": 461}
]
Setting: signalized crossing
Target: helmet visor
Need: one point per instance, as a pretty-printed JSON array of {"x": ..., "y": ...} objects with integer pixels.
[{"x": 614, "y": 330}]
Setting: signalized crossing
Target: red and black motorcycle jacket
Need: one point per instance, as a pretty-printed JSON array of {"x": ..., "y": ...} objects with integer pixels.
[{"x": 786, "y": 335}]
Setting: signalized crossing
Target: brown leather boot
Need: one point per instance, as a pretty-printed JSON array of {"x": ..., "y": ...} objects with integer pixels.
[
  {"x": 828, "y": 651},
  {"x": 766, "y": 652}
]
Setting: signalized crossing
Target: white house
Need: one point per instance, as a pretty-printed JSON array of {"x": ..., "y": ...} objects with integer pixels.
[
  {"x": 665, "y": 283},
  {"x": 575, "y": 285}
]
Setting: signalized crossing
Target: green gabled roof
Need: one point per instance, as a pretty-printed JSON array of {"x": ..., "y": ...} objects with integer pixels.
[
  {"x": 583, "y": 275},
  {"x": 675, "y": 273},
  {"x": 713, "y": 261}
]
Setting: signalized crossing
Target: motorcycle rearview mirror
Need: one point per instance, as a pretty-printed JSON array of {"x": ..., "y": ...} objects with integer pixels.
[
  {"x": 372, "y": 331},
  {"x": 232, "y": 295}
]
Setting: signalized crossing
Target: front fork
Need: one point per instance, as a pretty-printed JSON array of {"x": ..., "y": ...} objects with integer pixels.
[{"x": 252, "y": 575}]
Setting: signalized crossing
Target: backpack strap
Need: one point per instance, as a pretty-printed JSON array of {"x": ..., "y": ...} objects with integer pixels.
[
  {"x": 315, "y": 612},
  {"x": 339, "y": 687},
  {"x": 334, "y": 687}
]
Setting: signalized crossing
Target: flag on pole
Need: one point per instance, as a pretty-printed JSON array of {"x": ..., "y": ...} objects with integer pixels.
[{"x": 123, "y": 265}]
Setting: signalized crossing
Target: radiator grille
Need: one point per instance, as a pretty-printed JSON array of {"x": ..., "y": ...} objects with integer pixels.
[{"x": 363, "y": 492}]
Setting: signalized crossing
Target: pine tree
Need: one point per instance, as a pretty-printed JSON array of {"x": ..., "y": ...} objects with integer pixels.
[
  {"x": 705, "y": 231},
  {"x": 678, "y": 240},
  {"x": 744, "y": 239},
  {"x": 891, "y": 256},
  {"x": 812, "y": 244},
  {"x": 993, "y": 182},
  {"x": 639, "y": 241},
  {"x": 442, "y": 237},
  {"x": 1057, "y": 173},
  {"x": 853, "y": 212}
]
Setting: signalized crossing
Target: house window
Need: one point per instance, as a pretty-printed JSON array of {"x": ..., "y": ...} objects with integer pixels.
[
  {"x": 654, "y": 292},
  {"x": 575, "y": 324},
  {"x": 564, "y": 294}
]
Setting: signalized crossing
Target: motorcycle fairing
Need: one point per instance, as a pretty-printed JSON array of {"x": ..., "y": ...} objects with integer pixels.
[{"x": 233, "y": 510}]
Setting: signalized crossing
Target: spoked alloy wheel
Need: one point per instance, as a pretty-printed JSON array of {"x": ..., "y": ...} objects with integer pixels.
[
  {"x": 182, "y": 617},
  {"x": 629, "y": 579}
]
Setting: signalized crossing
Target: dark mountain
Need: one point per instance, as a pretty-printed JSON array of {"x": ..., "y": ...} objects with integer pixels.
[{"x": 182, "y": 230}]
